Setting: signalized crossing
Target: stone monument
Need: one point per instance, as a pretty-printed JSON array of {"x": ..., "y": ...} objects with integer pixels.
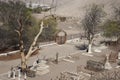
[
  {"x": 107, "y": 64},
  {"x": 42, "y": 68},
  {"x": 61, "y": 37},
  {"x": 12, "y": 73},
  {"x": 19, "y": 74}
]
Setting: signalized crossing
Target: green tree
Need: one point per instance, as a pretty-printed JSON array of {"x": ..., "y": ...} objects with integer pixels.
[
  {"x": 10, "y": 13},
  {"x": 111, "y": 29},
  {"x": 50, "y": 30},
  {"x": 17, "y": 18}
]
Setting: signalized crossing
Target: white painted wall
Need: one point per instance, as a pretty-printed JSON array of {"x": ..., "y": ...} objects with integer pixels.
[
  {"x": 12, "y": 52},
  {"x": 73, "y": 40}
]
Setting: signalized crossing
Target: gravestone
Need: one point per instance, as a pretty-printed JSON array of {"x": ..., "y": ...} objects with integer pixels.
[
  {"x": 19, "y": 74},
  {"x": 94, "y": 65},
  {"x": 12, "y": 73},
  {"x": 30, "y": 73},
  {"x": 107, "y": 64}
]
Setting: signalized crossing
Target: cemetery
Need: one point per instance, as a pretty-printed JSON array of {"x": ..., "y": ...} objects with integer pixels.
[{"x": 59, "y": 40}]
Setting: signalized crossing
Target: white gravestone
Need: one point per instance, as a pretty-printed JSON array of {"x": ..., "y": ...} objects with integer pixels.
[
  {"x": 25, "y": 76},
  {"x": 19, "y": 74}
]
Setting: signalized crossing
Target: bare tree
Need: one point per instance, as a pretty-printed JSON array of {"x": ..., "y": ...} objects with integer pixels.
[
  {"x": 32, "y": 48},
  {"x": 91, "y": 22},
  {"x": 116, "y": 14}
]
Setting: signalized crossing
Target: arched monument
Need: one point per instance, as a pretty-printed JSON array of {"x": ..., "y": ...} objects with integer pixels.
[{"x": 61, "y": 37}]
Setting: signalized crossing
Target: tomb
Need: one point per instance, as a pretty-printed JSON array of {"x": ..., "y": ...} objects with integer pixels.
[
  {"x": 40, "y": 68},
  {"x": 95, "y": 66}
]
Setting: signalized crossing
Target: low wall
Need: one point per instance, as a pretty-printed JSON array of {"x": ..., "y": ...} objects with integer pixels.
[
  {"x": 73, "y": 40},
  {"x": 12, "y": 52},
  {"x": 43, "y": 45}
]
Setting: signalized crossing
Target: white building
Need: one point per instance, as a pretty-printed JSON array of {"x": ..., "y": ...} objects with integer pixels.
[{"x": 36, "y": 5}]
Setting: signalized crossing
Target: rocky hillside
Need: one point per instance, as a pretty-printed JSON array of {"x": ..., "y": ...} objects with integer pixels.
[{"x": 75, "y": 8}]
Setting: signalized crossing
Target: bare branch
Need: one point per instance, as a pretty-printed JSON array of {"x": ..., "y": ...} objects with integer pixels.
[
  {"x": 17, "y": 32},
  {"x": 34, "y": 41}
]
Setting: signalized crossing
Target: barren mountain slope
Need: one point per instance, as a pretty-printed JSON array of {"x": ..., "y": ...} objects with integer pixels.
[{"x": 75, "y": 8}]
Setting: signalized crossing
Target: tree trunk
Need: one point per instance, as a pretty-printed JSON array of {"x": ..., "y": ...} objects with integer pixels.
[
  {"x": 23, "y": 61},
  {"x": 90, "y": 48},
  {"x": 21, "y": 45},
  {"x": 31, "y": 49},
  {"x": 90, "y": 44}
]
